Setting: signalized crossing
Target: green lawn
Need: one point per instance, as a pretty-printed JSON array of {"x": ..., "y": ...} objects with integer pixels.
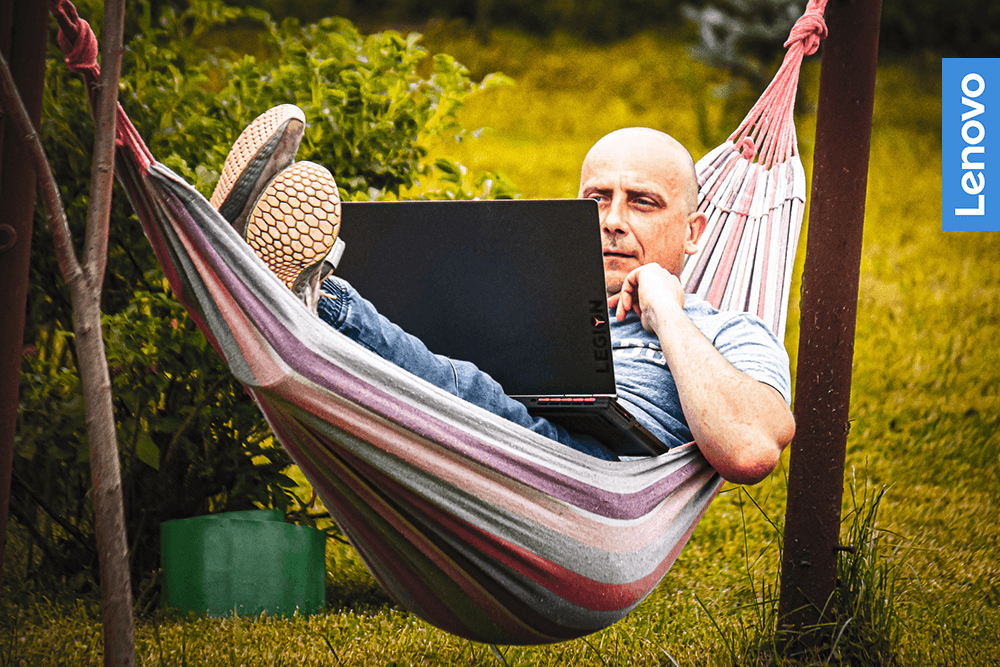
[{"x": 924, "y": 409}]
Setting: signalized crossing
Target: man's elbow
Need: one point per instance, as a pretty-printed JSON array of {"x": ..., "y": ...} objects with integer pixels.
[
  {"x": 752, "y": 468},
  {"x": 760, "y": 454}
]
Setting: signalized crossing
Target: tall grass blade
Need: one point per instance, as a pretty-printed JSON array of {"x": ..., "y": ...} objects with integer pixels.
[
  {"x": 498, "y": 655},
  {"x": 722, "y": 635}
]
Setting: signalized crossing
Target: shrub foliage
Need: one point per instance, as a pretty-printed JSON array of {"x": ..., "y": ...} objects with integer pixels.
[{"x": 191, "y": 439}]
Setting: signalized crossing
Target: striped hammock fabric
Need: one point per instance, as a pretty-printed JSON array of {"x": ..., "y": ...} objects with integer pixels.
[
  {"x": 754, "y": 220},
  {"x": 753, "y": 190},
  {"x": 478, "y": 526}
]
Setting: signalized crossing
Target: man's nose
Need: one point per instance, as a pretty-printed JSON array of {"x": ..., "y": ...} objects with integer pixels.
[{"x": 615, "y": 220}]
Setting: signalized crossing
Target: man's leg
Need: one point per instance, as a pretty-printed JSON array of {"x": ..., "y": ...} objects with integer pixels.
[
  {"x": 290, "y": 216},
  {"x": 344, "y": 309}
]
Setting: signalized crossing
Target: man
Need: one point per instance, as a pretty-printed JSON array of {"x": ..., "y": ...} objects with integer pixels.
[
  {"x": 685, "y": 370},
  {"x": 645, "y": 185}
]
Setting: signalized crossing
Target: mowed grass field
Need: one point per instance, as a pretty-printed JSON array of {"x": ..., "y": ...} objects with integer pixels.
[{"x": 924, "y": 410}]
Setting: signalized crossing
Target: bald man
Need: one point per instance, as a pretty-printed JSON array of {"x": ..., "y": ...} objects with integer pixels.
[
  {"x": 685, "y": 370},
  {"x": 729, "y": 373}
]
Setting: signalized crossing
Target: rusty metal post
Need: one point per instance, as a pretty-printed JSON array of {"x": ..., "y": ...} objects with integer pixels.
[
  {"x": 24, "y": 48},
  {"x": 828, "y": 312}
]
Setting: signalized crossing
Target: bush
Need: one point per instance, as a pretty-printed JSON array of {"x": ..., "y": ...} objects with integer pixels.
[{"x": 191, "y": 439}]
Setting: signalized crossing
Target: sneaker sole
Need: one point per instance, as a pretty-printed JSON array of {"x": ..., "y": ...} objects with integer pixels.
[
  {"x": 264, "y": 148},
  {"x": 295, "y": 221}
]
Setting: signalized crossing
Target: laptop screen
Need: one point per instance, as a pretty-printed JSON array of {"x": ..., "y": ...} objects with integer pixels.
[{"x": 514, "y": 286}]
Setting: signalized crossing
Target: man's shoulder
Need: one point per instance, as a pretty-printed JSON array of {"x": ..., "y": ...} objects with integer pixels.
[
  {"x": 745, "y": 341},
  {"x": 715, "y": 323},
  {"x": 708, "y": 317},
  {"x": 696, "y": 306}
]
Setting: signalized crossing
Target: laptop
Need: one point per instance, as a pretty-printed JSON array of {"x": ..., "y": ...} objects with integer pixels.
[{"x": 514, "y": 286}]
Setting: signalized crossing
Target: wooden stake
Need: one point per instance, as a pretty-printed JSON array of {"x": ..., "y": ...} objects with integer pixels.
[{"x": 828, "y": 313}]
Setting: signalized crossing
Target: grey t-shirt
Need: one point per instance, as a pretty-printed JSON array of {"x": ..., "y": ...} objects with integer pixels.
[{"x": 646, "y": 386}]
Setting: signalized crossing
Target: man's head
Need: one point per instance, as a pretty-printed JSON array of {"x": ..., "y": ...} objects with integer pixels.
[{"x": 647, "y": 192}]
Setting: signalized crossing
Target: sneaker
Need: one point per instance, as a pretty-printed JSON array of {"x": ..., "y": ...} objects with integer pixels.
[
  {"x": 264, "y": 148},
  {"x": 293, "y": 227}
]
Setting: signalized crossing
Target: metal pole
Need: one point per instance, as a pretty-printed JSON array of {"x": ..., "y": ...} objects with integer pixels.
[
  {"x": 24, "y": 48},
  {"x": 828, "y": 312}
]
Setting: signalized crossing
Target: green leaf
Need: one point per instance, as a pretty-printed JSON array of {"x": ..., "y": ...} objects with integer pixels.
[
  {"x": 452, "y": 171},
  {"x": 147, "y": 451}
]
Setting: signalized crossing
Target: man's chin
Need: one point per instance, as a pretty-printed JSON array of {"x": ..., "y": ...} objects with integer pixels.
[{"x": 614, "y": 278}]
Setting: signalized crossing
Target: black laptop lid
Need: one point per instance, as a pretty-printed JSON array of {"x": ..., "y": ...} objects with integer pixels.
[{"x": 515, "y": 286}]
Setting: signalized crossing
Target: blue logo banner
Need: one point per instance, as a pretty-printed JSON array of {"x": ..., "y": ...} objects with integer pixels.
[{"x": 970, "y": 126}]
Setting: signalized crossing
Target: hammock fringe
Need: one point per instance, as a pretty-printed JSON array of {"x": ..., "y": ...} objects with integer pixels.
[{"x": 752, "y": 189}]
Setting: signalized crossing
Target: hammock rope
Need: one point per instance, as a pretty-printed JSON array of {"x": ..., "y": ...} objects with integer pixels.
[
  {"x": 476, "y": 525},
  {"x": 752, "y": 188},
  {"x": 777, "y": 102}
]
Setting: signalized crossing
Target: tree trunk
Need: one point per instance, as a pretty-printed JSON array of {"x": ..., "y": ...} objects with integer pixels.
[
  {"x": 109, "y": 510},
  {"x": 86, "y": 281}
]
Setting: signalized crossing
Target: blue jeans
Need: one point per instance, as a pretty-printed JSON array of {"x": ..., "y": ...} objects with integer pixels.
[{"x": 350, "y": 314}]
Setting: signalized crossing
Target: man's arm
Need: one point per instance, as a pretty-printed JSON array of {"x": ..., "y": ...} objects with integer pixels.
[{"x": 741, "y": 425}]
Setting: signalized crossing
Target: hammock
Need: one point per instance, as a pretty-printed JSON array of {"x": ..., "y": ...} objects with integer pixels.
[{"x": 478, "y": 526}]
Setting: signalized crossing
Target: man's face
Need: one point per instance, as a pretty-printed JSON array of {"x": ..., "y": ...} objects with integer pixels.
[{"x": 641, "y": 182}]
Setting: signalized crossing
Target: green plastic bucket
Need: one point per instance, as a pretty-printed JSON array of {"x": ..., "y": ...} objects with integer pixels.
[{"x": 243, "y": 563}]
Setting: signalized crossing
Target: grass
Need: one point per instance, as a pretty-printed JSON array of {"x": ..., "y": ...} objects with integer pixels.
[{"x": 924, "y": 412}]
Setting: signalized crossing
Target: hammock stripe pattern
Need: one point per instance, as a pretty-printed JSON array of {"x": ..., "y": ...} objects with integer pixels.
[
  {"x": 754, "y": 220},
  {"x": 753, "y": 190},
  {"x": 476, "y": 525}
]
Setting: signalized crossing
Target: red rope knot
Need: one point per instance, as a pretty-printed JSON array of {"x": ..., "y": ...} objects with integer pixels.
[
  {"x": 810, "y": 29},
  {"x": 76, "y": 39},
  {"x": 746, "y": 149}
]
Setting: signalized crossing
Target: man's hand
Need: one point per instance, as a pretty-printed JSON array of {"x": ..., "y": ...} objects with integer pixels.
[
  {"x": 647, "y": 291},
  {"x": 741, "y": 425}
]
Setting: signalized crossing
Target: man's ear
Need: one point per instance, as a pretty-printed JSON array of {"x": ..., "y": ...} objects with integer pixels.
[{"x": 695, "y": 224}]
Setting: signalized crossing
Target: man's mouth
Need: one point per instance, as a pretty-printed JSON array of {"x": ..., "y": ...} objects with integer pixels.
[{"x": 613, "y": 253}]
